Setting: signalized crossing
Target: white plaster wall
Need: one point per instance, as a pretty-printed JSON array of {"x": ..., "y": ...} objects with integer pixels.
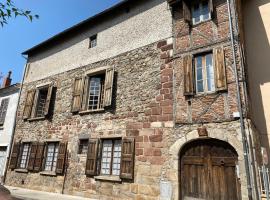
[
  {"x": 143, "y": 25},
  {"x": 6, "y": 132}
]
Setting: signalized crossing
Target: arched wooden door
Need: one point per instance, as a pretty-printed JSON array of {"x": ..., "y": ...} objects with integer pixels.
[{"x": 208, "y": 171}]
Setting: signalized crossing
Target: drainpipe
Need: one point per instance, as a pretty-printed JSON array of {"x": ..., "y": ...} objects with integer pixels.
[
  {"x": 14, "y": 124},
  {"x": 240, "y": 109}
]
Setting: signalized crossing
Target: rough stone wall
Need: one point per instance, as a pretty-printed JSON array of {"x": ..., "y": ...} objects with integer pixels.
[
  {"x": 142, "y": 108},
  {"x": 122, "y": 32},
  {"x": 203, "y": 37}
]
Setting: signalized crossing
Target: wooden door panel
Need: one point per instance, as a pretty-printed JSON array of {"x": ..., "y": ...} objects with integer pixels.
[{"x": 208, "y": 171}]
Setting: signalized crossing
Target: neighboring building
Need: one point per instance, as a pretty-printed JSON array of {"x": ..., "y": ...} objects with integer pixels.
[
  {"x": 9, "y": 95},
  {"x": 257, "y": 43},
  {"x": 137, "y": 102}
]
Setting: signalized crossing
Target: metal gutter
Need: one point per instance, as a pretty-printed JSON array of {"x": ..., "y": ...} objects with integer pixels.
[{"x": 240, "y": 109}]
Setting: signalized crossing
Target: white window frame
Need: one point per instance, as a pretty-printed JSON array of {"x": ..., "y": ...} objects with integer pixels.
[
  {"x": 116, "y": 147},
  {"x": 204, "y": 74},
  {"x": 200, "y": 11},
  {"x": 54, "y": 157},
  {"x": 26, "y": 154},
  {"x": 100, "y": 103}
]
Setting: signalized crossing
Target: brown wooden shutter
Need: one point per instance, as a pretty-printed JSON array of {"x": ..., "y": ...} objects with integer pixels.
[
  {"x": 14, "y": 155},
  {"x": 108, "y": 88},
  {"x": 77, "y": 95},
  {"x": 211, "y": 7},
  {"x": 92, "y": 155},
  {"x": 3, "y": 111},
  {"x": 32, "y": 156},
  {"x": 48, "y": 100},
  {"x": 127, "y": 158},
  {"x": 85, "y": 93},
  {"x": 188, "y": 75},
  {"x": 61, "y": 158},
  {"x": 39, "y": 157},
  {"x": 186, "y": 12},
  {"x": 220, "y": 69},
  {"x": 28, "y": 104}
]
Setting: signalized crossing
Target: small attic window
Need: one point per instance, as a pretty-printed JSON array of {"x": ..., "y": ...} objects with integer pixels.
[{"x": 93, "y": 41}]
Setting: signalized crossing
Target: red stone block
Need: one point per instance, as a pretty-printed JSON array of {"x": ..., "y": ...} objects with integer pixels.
[
  {"x": 156, "y": 111},
  {"x": 161, "y": 43},
  {"x": 155, "y": 138}
]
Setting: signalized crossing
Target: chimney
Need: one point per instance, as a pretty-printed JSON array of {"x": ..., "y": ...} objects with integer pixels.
[{"x": 7, "y": 80}]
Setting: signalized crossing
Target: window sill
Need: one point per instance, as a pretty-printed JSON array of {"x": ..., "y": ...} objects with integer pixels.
[
  {"x": 108, "y": 178},
  {"x": 201, "y": 22},
  {"x": 48, "y": 173},
  {"x": 36, "y": 119},
  {"x": 91, "y": 111},
  {"x": 205, "y": 94},
  {"x": 82, "y": 154},
  {"x": 21, "y": 170}
]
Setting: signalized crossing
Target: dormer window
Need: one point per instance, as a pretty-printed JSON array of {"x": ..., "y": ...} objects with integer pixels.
[{"x": 200, "y": 12}]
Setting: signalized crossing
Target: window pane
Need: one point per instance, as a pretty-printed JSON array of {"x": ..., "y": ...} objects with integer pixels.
[
  {"x": 116, "y": 158},
  {"x": 210, "y": 73},
  {"x": 51, "y": 158},
  {"x": 205, "y": 10},
  {"x": 199, "y": 74},
  {"x": 196, "y": 13},
  {"x": 96, "y": 85},
  {"x": 200, "y": 86},
  {"x": 25, "y": 155},
  {"x": 106, "y": 157},
  {"x": 42, "y": 96}
]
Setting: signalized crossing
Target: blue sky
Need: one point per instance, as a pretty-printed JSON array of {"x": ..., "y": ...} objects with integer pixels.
[{"x": 55, "y": 16}]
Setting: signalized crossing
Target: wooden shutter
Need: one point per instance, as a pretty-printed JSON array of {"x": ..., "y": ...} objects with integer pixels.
[
  {"x": 77, "y": 95},
  {"x": 186, "y": 12},
  {"x": 14, "y": 155},
  {"x": 28, "y": 104},
  {"x": 61, "y": 158},
  {"x": 188, "y": 75},
  {"x": 3, "y": 111},
  {"x": 32, "y": 156},
  {"x": 39, "y": 157},
  {"x": 92, "y": 155},
  {"x": 85, "y": 92},
  {"x": 220, "y": 69},
  {"x": 127, "y": 158},
  {"x": 108, "y": 88},
  {"x": 48, "y": 100}
]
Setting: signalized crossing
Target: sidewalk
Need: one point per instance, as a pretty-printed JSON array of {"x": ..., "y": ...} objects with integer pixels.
[{"x": 26, "y": 194}]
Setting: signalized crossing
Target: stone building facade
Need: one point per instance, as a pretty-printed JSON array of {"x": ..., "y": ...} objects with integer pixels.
[
  {"x": 9, "y": 95},
  {"x": 135, "y": 120}
]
